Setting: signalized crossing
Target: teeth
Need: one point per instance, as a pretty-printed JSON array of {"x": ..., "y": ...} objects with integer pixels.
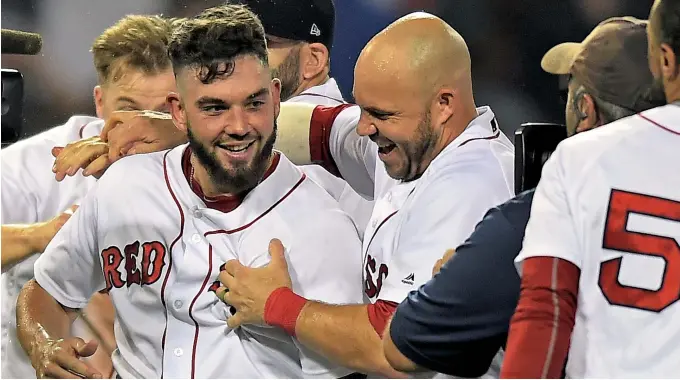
[{"x": 236, "y": 148}]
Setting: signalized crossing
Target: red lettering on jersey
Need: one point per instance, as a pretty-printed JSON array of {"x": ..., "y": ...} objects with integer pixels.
[
  {"x": 152, "y": 252},
  {"x": 111, "y": 259},
  {"x": 370, "y": 288},
  {"x": 133, "y": 274},
  {"x": 617, "y": 237},
  {"x": 153, "y": 255}
]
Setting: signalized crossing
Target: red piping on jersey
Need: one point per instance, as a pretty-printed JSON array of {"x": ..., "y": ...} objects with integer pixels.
[
  {"x": 377, "y": 228},
  {"x": 207, "y": 278},
  {"x": 304, "y": 176},
  {"x": 494, "y": 136},
  {"x": 320, "y": 96},
  {"x": 659, "y": 125},
  {"x": 167, "y": 274},
  {"x": 80, "y": 132},
  {"x": 191, "y": 307}
]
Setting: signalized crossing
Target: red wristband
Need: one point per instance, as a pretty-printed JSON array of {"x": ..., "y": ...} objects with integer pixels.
[{"x": 283, "y": 308}]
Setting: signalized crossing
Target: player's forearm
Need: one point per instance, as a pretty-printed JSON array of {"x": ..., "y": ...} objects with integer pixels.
[
  {"x": 344, "y": 334},
  {"x": 40, "y": 317},
  {"x": 18, "y": 243}
]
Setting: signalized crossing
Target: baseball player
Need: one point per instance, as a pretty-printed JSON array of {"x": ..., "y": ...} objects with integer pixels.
[
  {"x": 133, "y": 73},
  {"x": 455, "y": 323},
  {"x": 444, "y": 164},
  {"x": 156, "y": 229},
  {"x": 600, "y": 262},
  {"x": 299, "y": 41}
]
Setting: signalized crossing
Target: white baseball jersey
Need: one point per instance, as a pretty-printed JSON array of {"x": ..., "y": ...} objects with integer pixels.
[
  {"x": 30, "y": 194},
  {"x": 414, "y": 223},
  {"x": 357, "y": 206},
  {"x": 609, "y": 202},
  {"x": 149, "y": 237},
  {"x": 326, "y": 94}
]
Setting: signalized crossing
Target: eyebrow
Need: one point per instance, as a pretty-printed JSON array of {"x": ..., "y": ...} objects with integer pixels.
[
  {"x": 209, "y": 100},
  {"x": 126, "y": 99},
  {"x": 163, "y": 107},
  {"x": 378, "y": 112}
]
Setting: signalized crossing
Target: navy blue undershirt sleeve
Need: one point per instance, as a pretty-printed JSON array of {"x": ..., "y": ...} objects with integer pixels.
[{"x": 457, "y": 322}]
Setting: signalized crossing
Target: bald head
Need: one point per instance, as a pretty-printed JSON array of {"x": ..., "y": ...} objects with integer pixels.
[{"x": 419, "y": 49}]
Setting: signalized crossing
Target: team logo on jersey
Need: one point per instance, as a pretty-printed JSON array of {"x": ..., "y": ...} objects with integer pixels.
[
  {"x": 143, "y": 264},
  {"x": 215, "y": 285},
  {"x": 372, "y": 289}
]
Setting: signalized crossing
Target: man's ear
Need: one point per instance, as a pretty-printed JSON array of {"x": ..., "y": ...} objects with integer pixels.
[
  {"x": 275, "y": 89},
  {"x": 588, "y": 109},
  {"x": 314, "y": 61},
  {"x": 98, "y": 95},
  {"x": 669, "y": 62},
  {"x": 444, "y": 105},
  {"x": 179, "y": 117}
]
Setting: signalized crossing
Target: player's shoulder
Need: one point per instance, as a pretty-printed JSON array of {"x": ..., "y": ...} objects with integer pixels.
[
  {"x": 137, "y": 169},
  {"x": 72, "y": 130},
  {"x": 581, "y": 152}
]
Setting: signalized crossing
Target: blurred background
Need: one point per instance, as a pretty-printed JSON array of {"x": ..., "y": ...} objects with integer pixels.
[{"x": 507, "y": 39}]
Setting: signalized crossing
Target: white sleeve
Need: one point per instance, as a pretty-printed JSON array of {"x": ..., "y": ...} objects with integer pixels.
[
  {"x": 19, "y": 202},
  {"x": 551, "y": 230},
  {"x": 69, "y": 269},
  {"x": 433, "y": 227},
  {"x": 335, "y": 144},
  {"x": 330, "y": 250}
]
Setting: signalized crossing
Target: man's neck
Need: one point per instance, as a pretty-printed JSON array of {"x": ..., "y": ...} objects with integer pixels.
[{"x": 313, "y": 82}]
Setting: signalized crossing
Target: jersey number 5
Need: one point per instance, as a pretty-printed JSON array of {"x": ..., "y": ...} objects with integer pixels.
[{"x": 617, "y": 237}]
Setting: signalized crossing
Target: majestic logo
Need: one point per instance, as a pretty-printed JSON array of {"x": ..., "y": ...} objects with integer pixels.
[
  {"x": 408, "y": 280},
  {"x": 315, "y": 31},
  {"x": 152, "y": 263}
]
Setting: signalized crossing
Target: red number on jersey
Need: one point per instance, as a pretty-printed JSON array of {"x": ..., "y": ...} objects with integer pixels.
[{"x": 617, "y": 237}]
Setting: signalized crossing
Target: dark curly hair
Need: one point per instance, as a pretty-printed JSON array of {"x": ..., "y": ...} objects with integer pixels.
[{"x": 211, "y": 41}]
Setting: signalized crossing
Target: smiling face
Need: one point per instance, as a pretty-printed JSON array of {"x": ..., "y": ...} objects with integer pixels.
[
  {"x": 230, "y": 121},
  {"x": 395, "y": 116}
]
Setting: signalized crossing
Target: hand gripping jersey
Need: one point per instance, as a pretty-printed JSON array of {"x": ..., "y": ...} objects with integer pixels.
[
  {"x": 148, "y": 235},
  {"x": 609, "y": 203}
]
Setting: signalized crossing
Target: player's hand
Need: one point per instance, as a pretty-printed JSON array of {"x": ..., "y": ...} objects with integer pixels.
[
  {"x": 134, "y": 132},
  {"x": 90, "y": 154},
  {"x": 60, "y": 359},
  {"x": 247, "y": 289},
  {"x": 44, "y": 232},
  {"x": 438, "y": 265}
]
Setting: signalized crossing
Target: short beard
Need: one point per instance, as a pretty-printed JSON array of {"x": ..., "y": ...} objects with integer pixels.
[
  {"x": 288, "y": 73},
  {"x": 416, "y": 150},
  {"x": 240, "y": 179}
]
